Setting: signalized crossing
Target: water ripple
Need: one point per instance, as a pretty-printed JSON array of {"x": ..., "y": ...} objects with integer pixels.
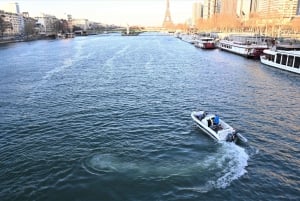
[{"x": 109, "y": 117}]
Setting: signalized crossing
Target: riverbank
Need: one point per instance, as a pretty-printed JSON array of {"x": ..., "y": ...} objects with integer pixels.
[{"x": 17, "y": 40}]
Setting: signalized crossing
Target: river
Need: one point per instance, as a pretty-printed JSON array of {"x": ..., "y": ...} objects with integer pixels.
[{"x": 107, "y": 117}]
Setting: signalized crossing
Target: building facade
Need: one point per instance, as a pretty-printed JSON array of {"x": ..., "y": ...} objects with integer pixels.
[
  {"x": 283, "y": 10},
  {"x": 278, "y": 8},
  {"x": 11, "y": 15},
  {"x": 254, "y": 6},
  {"x": 210, "y": 8},
  {"x": 13, "y": 24},
  {"x": 243, "y": 9},
  {"x": 197, "y": 12},
  {"x": 47, "y": 24},
  {"x": 229, "y": 7},
  {"x": 82, "y": 23},
  {"x": 298, "y": 8}
]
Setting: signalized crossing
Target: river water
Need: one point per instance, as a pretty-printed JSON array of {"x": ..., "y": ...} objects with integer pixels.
[{"x": 108, "y": 118}]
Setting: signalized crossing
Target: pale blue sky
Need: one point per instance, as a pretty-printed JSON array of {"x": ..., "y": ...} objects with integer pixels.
[{"x": 119, "y": 12}]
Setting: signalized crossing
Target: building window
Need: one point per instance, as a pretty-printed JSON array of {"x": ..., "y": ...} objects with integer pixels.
[{"x": 272, "y": 57}]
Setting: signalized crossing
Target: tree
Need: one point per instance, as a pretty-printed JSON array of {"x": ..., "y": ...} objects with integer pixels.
[
  {"x": 29, "y": 27},
  {"x": 2, "y": 25}
]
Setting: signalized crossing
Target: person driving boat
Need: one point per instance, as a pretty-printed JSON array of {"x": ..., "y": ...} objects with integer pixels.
[{"x": 216, "y": 120}]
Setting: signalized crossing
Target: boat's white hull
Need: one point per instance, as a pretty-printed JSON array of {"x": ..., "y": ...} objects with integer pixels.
[
  {"x": 280, "y": 66},
  {"x": 206, "y": 45},
  {"x": 224, "y": 132},
  {"x": 205, "y": 129},
  {"x": 250, "y": 51},
  {"x": 227, "y": 133}
]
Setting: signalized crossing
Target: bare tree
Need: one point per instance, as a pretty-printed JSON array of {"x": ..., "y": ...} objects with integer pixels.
[
  {"x": 2, "y": 25},
  {"x": 29, "y": 28}
]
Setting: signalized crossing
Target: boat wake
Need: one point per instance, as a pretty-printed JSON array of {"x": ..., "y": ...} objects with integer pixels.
[
  {"x": 229, "y": 164},
  {"x": 217, "y": 170},
  {"x": 233, "y": 161}
]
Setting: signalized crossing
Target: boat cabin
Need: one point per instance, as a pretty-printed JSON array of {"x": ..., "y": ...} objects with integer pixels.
[{"x": 286, "y": 58}]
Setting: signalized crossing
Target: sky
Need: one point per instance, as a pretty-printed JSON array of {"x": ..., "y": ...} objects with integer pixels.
[{"x": 118, "y": 12}]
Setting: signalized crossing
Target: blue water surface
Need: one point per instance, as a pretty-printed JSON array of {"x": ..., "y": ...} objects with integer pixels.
[{"x": 108, "y": 118}]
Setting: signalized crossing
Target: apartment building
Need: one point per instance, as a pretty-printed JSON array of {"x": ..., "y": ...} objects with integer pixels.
[
  {"x": 82, "y": 23},
  {"x": 244, "y": 9},
  {"x": 14, "y": 22},
  {"x": 47, "y": 24},
  {"x": 266, "y": 9},
  {"x": 278, "y": 8},
  {"x": 197, "y": 12},
  {"x": 210, "y": 8}
]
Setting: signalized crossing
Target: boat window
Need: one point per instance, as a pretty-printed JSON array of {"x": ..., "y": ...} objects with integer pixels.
[
  {"x": 290, "y": 61},
  {"x": 297, "y": 62},
  {"x": 272, "y": 57},
  {"x": 278, "y": 58},
  {"x": 284, "y": 59}
]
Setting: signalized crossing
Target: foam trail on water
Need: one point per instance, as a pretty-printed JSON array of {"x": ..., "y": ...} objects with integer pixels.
[
  {"x": 227, "y": 164},
  {"x": 109, "y": 62},
  {"x": 236, "y": 164}
]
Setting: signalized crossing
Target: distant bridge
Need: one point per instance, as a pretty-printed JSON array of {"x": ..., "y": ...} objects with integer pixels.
[
  {"x": 145, "y": 29},
  {"x": 157, "y": 29}
]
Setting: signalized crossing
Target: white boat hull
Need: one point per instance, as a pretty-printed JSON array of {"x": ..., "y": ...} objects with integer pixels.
[
  {"x": 205, "y": 43},
  {"x": 250, "y": 51},
  {"x": 271, "y": 61},
  {"x": 220, "y": 132}
]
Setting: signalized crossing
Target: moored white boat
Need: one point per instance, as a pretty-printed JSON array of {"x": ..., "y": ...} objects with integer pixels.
[
  {"x": 188, "y": 38},
  {"x": 248, "y": 46},
  {"x": 216, "y": 128},
  {"x": 285, "y": 60},
  {"x": 205, "y": 43}
]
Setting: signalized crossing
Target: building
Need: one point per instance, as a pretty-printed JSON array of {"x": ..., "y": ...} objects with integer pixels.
[
  {"x": 81, "y": 23},
  {"x": 13, "y": 24},
  {"x": 243, "y": 9},
  {"x": 70, "y": 24},
  {"x": 47, "y": 24},
  {"x": 254, "y": 6},
  {"x": 11, "y": 14},
  {"x": 210, "y": 8},
  {"x": 229, "y": 7},
  {"x": 290, "y": 8},
  {"x": 276, "y": 13},
  {"x": 278, "y": 8},
  {"x": 197, "y": 12}
]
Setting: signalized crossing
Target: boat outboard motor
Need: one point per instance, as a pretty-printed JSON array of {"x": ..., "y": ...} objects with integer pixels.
[{"x": 231, "y": 136}]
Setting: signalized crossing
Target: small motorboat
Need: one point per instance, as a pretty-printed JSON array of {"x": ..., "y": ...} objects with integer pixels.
[{"x": 216, "y": 128}]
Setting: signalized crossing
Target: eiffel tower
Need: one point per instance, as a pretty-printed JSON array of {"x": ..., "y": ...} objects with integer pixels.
[{"x": 168, "y": 21}]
